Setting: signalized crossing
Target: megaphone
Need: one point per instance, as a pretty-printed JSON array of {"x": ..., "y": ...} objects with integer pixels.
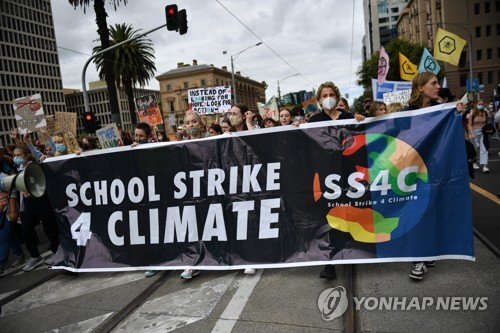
[{"x": 31, "y": 180}]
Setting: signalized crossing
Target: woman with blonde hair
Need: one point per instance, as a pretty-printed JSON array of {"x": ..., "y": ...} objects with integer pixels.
[
  {"x": 194, "y": 125},
  {"x": 424, "y": 91}
]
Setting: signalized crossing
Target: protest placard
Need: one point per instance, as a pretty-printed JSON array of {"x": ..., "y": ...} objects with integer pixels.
[
  {"x": 29, "y": 113},
  {"x": 401, "y": 96},
  {"x": 388, "y": 86},
  {"x": 148, "y": 110},
  {"x": 65, "y": 122},
  {"x": 109, "y": 136},
  {"x": 210, "y": 100}
]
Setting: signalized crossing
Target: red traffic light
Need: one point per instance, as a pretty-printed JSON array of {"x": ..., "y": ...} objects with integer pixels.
[
  {"x": 172, "y": 17},
  {"x": 88, "y": 117}
]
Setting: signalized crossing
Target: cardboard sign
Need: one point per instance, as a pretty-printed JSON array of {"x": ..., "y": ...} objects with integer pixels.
[
  {"x": 65, "y": 122},
  {"x": 29, "y": 114},
  {"x": 148, "y": 110},
  {"x": 210, "y": 100},
  {"x": 388, "y": 86},
  {"x": 401, "y": 96},
  {"x": 109, "y": 136}
]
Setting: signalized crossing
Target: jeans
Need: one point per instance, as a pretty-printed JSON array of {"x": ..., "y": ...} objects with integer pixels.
[
  {"x": 8, "y": 241},
  {"x": 479, "y": 144}
]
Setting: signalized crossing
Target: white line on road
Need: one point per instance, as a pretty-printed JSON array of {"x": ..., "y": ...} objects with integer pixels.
[{"x": 235, "y": 307}]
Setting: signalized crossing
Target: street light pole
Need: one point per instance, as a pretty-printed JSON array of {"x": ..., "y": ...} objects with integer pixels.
[
  {"x": 279, "y": 91},
  {"x": 233, "y": 80}
]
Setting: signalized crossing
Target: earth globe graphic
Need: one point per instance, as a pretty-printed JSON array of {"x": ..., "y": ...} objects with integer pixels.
[{"x": 395, "y": 211}]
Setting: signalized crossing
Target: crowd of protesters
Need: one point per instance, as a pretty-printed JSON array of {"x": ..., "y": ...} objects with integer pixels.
[{"x": 21, "y": 213}]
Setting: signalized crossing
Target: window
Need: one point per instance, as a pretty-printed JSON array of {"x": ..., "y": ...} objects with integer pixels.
[
  {"x": 497, "y": 6},
  {"x": 498, "y": 52},
  {"x": 486, "y": 7},
  {"x": 498, "y": 29},
  {"x": 490, "y": 77},
  {"x": 479, "y": 54},
  {"x": 185, "y": 85},
  {"x": 480, "y": 77},
  {"x": 169, "y": 87},
  {"x": 463, "y": 80},
  {"x": 478, "y": 32},
  {"x": 203, "y": 82},
  {"x": 487, "y": 30},
  {"x": 489, "y": 53},
  {"x": 476, "y": 8}
]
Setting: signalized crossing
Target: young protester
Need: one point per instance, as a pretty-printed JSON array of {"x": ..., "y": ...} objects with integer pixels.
[
  {"x": 143, "y": 133},
  {"x": 237, "y": 117},
  {"x": 394, "y": 107},
  {"x": 285, "y": 117},
  {"x": 477, "y": 121},
  {"x": 329, "y": 96},
  {"x": 424, "y": 93},
  {"x": 343, "y": 105},
  {"x": 269, "y": 122},
  {"x": 35, "y": 210},
  {"x": 225, "y": 125},
  {"x": 8, "y": 241},
  {"x": 214, "y": 129},
  {"x": 377, "y": 109}
]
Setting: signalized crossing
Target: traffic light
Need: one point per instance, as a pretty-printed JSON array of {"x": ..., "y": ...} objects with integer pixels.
[
  {"x": 89, "y": 122},
  {"x": 182, "y": 19},
  {"x": 172, "y": 17}
]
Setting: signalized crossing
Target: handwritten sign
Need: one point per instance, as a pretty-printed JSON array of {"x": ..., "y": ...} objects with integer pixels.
[
  {"x": 109, "y": 136},
  {"x": 401, "y": 96},
  {"x": 29, "y": 114},
  {"x": 148, "y": 110},
  {"x": 210, "y": 100},
  {"x": 65, "y": 122}
]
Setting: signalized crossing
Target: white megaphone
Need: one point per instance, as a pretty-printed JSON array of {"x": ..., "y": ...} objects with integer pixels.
[{"x": 31, "y": 180}]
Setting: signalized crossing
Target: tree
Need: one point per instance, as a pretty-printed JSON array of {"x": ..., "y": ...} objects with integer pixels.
[
  {"x": 103, "y": 32},
  {"x": 133, "y": 62}
]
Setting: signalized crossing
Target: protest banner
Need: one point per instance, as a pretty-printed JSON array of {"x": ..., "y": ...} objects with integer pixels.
[
  {"x": 323, "y": 193},
  {"x": 401, "y": 96},
  {"x": 65, "y": 122},
  {"x": 270, "y": 109},
  {"x": 210, "y": 100},
  {"x": 148, "y": 110},
  {"x": 29, "y": 114},
  {"x": 388, "y": 86},
  {"x": 109, "y": 136}
]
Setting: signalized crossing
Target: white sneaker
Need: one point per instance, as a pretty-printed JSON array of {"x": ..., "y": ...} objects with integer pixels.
[
  {"x": 476, "y": 167},
  {"x": 250, "y": 271},
  {"x": 486, "y": 170}
]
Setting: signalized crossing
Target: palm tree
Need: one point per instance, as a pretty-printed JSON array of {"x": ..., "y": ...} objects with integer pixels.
[
  {"x": 133, "y": 62},
  {"x": 103, "y": 32}
]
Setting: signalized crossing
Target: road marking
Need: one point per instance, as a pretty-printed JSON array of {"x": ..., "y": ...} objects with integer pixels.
[
  {"x": 84, "y": 326},
  {"x": 177, "y": 309},
  {"x": 485, "y": 193},
  {"x": 65, "y": 287},
  {"x": 235, "y": 307}
]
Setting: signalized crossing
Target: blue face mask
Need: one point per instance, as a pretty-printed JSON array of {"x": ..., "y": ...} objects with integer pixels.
[
  {"x": 61, "y": 148},
  {"x": 480, "y": 107},
  {"x": 18, "y": 160}
]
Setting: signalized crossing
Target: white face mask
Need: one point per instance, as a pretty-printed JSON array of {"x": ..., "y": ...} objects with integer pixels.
[{"x": 329, "y": 103}]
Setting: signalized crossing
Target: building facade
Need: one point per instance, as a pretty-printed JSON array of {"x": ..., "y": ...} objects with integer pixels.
[
  {"x": 175, "y": 83},
  {"x": 29, "y": 63},
  {"x": 381, "y": 18},
  {"x": 476, "y": 21},
  {"x": 100, "y": 106},
  {"x": 296, "y": 98}
]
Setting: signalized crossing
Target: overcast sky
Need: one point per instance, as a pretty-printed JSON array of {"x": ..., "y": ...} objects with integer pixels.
[{"x": 314, "y": 37}]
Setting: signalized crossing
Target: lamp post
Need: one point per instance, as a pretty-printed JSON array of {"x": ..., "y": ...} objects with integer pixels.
[
  {"x": 233, "y": 83},
  {"x": 279, "y": 91}
]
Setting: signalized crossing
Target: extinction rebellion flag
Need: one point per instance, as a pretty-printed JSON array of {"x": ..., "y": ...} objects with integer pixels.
[{"x": 393, "y": 188}]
